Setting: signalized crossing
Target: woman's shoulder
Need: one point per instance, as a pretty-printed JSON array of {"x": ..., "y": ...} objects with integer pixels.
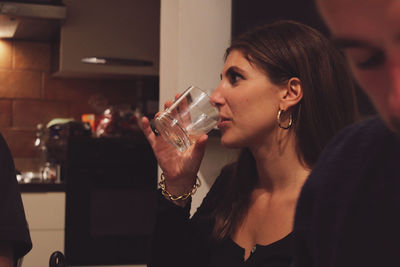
[
  {"x": 221, "y": 181},
  {"x": 217, "y": 190},
  {"x": 224, "y": 177}
]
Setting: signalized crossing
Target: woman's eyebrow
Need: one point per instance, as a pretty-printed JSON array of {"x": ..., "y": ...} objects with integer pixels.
[{"x": 233, "y": 69}]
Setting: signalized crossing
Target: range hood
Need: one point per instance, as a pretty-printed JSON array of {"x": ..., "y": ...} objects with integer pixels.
[{"x": 31, "y": 20}]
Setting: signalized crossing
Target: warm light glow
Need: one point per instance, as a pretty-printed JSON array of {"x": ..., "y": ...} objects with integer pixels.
[
  {"x": 5, "y": 49},
  {"x": 8, "y": 27},
  {"x": 37, "y": 142}
]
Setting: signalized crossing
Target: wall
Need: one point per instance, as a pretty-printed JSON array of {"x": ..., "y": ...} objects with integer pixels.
[
  {"x": 194, "y": 36},
  {"x": 29, "y": 95}
]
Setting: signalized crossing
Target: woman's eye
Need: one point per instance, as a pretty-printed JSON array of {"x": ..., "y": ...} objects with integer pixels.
[{"x": 234, "y": 77}]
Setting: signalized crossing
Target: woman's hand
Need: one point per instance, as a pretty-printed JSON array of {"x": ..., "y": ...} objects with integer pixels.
[{"x": 179, "y": 168}]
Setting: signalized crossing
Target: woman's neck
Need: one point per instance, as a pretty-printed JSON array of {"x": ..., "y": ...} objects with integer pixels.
[{"x": 279, "y": 167}]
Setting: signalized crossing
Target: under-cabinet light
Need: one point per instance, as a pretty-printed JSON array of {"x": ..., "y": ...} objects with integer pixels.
[
  {"x": 94, "y": 60},
  {"x": 117, "y": 61}
]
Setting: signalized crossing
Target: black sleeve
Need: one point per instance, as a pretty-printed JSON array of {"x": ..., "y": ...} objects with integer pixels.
[
  {"x": 327, "y": 197},
  {"x": 179, "y": 240},
  {"x": 323, "y": 185},
  {"x": 13, "y": 226}
]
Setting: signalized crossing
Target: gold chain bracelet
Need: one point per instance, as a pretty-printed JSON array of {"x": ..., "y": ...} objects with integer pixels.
[{"x": 172, "y": 197}]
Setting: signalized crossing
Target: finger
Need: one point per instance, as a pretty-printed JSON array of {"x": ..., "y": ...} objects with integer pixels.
[
  {"x": 202, "y": 141},
  {"x": 148, "y": 132},
  {"x": 146, "y": 126},
  {"x": 200, "y": 147},
  {"x": 167, "y": 104}
]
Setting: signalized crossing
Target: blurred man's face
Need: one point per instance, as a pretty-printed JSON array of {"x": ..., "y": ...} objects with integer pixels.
[{"x": 369, "y": 33}]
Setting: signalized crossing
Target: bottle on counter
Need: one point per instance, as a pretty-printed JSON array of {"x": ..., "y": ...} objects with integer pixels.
[{"x": 48, "y": 171}]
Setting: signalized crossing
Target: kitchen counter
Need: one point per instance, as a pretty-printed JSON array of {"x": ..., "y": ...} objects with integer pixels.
[{"x": 42, "y": 187}]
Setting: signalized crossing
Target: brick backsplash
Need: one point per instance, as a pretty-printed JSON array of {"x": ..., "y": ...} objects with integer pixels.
[
  {"x": 21, "y": 142},
  {"x": 28, "y": 113},
  {"x": 69, "y": 89},
  {"x": 30, "y": 95},
  {"x": 20, "y": 84},
  {"x": 31, "y": 56},
  {"x": 5, "y": 113}
]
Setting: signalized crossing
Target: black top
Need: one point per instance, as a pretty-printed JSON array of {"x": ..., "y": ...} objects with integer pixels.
[
  {"x": 13, "y": 225},
  {"x": 180, "y": 241},
  {"x": 348, "y": 212}
]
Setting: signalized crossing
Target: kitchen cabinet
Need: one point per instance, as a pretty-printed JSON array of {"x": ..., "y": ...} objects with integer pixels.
[
  {"x": 45, "y": 213},
  {"x": 125, "y": 31}
]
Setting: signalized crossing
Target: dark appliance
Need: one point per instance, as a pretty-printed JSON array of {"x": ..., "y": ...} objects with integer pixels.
[{"x": 110, "y": 200}]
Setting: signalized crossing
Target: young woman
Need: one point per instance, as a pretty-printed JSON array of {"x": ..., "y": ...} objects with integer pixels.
[{"x": 284, "y": 92}]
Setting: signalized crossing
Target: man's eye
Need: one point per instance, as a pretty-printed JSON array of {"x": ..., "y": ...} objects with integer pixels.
[
  {"x": 365, "y": 59},
  {"x": 373, "y": 61}
]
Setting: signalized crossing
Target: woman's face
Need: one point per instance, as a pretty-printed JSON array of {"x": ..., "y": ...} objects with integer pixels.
[{"x": 248, "y": 103}]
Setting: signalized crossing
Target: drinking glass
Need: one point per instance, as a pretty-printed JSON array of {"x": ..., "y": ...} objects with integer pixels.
[{"x": 190, "y": 116}]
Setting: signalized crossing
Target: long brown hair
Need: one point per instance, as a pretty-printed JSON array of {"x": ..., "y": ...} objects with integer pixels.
[{"x": 284, "y": 50}]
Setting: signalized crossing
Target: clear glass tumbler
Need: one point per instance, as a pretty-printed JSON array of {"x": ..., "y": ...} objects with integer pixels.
[{"x": 190, "y": 116}]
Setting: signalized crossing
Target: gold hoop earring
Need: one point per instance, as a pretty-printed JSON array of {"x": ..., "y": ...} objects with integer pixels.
[{"x": 278, "y": 117}]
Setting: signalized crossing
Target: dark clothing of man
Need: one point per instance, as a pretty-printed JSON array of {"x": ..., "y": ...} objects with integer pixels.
[
  {"x": 348, "y": 212},
  {"x": 13, "y": 226}
]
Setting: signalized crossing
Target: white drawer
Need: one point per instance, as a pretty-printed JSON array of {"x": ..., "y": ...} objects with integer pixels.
[
  {"x": 44, "y": 243},
  {"x": 45, "y": 211}
]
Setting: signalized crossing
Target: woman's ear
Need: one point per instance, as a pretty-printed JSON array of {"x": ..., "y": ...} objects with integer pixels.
[{"x": 293, "y": 93}]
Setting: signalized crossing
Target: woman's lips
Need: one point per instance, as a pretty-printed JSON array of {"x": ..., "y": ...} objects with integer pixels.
[{"x": 223, "y": 123}]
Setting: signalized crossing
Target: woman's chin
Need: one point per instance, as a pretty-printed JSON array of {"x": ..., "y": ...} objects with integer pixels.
[{"x": 229, "y": 142}]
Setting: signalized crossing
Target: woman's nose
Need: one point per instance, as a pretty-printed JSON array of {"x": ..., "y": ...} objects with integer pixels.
[{"x": 216, "y": 97}]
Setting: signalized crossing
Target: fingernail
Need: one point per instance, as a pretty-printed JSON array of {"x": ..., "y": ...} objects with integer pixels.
[{"x": 153, "y": 128}]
